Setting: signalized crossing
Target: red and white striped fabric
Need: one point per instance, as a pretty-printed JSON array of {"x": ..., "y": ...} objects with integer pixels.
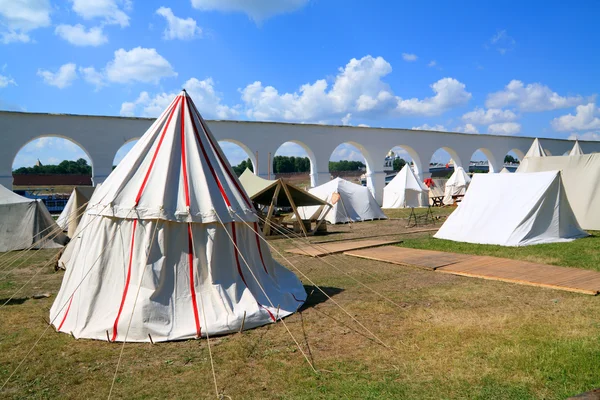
[{"x": 170, "y": 247}]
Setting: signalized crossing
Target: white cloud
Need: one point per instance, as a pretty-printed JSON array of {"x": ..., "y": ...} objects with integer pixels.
[
  {"x": 19, "y": 17},
  {"x": 258, "y": 10},
  {"x": 449, "y": 93},
  {"x": 358, "y": 88},
  {"x": 348, "y": 152},
  {"x": 432, "y": 63},
  {"x": 5, "y": 81},
  {"x": 585, "y": 136},
  {"x": 466, "y": 128},
  {"x": 501, "y": 42},
  {"x": 78, "y": 36},
  {"x": 479, "y": 116},
  {"x": 138, "y": 65},
  {"x": 346, "y": 119},
  {"x": 409, "y": 57},
  {"x": 178, "y": 28},
  {"x": 110, "y": 11},
  {"x": 585, "y": 118},
  {"x": 207, "y": 100},
  {"x": 91, "y": 76},
  {"x": 62, "y": 78},
  {"x": 504, "y": 128},
  {"x": 427, "y": 127},
  {"x": 533, "y": 97}
]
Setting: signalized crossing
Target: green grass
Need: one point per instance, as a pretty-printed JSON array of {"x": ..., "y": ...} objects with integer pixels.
[{"x": 580, "y": 253}]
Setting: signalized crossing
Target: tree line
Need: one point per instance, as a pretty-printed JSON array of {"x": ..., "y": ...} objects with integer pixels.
[{"x": 66, "y": 167}]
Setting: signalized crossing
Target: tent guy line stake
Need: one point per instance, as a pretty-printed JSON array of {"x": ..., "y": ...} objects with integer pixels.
[
  {"x": 243, "y": 321},
  {"x": 150, "y": 337}
]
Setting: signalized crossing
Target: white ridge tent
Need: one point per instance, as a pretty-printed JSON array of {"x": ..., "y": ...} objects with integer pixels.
[
  {"x": 576, "y": 150},
  {"x": 71, "y": 215},
  {"x": 536, "y": 150},
  {"x": 405, "y": 190},
  {"x": 581, "y": 177},
  {"x": 513, "y": 210},
  {"x": 168, "y": 248},
  {"x": 351, "y": 203},
  {"x": 504, "y": 171},
  {"x": 25, "y": 223},
  {"x": 457, "y": 185}
]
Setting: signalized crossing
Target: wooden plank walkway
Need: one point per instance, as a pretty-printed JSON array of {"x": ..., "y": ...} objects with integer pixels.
[
  {"x": 338, "y": 247},
  {"x": 493, "y": 268}
]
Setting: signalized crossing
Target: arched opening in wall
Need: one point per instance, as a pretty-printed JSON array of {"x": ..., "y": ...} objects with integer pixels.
[
  {"x": 239, "y": 156},
  {"x": 122, "y": 152},
  {"x": 512, "y": 159},
  {"x": 442, "y": 162},
  {"x": 348, "y": 161},
  {"x": 397, "y": 158},
  {"x": 482, "y": 161},
  {"x": 293, "y": 161},
  {"x": 51, "y": 164}
]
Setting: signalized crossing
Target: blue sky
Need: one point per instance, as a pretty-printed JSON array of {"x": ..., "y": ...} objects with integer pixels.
[{"x": 513, "y": 67}]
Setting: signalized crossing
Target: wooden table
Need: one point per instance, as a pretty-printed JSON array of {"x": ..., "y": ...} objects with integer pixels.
[{"x": 437, "y": 201}]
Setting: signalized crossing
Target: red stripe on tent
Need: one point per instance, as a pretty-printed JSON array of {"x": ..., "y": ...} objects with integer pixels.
[
  {"x": 183, "y": 158},
  {"x": 234, "y": 180},
  {"x": 270, "y": 313},
  {"x": 258, "y": 245},
  {"x": 237, "y": 260},
  {"x": 127, "y": 280},
  {"x": 139, "y": 195},
  {"x": 192, "y": 286},
  {"x": 212, "y": 170},
  {"x": 66, "y": 312}
]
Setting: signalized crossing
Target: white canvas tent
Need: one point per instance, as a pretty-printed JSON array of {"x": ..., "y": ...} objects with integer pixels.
[
  {"x": 74, "y": 209},
  {"x": 536, "y": 150},
  {"x": 169, "y": 248},
  {"x": 576, "y": 150},
  {"x": 351, "y": 203},
  {"x": 457, "y": 185},
  {"x": 513, "y": 210},
  {"x": 405, "y": 190},
  {"x": 581, "y": 178},
  {"x": 504, "y": 171},
  {"x": 25, "y": 223}
]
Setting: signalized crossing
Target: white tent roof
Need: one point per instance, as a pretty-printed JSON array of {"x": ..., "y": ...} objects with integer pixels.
[
  {"x": 536, "y": 150},
  {"x": 581, "y": 177},
  {"x": 513, "y": 210},
  {"x": 162, "y": 251},
  {"x": 71, "y": 215},
  {"x": 25, "y": 223},
  {"x": 576, "y": 150},
  {"x": 504, "y": 171},
  {"x": 355, "y": 203},
  {"x": 457, "y": 185},
  {"x": 153, "y": 181},
  {"x": 405, "y": 190}
]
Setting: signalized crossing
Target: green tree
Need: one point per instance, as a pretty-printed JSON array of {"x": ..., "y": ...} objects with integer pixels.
[
  {"x": 66, "y": 167},
  {"x": 510, "y": 159},
  {"x": 398, "y": 164},
  {"x": 241, "y": 167}
]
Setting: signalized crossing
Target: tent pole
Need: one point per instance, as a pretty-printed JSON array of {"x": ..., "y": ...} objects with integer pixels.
[
  {"x": 267, "y": 227},
  {"x": 269, "y": 166},
  {"x": 287, "y": 192}
]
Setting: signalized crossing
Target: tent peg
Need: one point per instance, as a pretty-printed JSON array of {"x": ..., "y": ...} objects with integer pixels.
[
  {"x": 243, "y": 321},
  {"x": 150, "y": 337}
]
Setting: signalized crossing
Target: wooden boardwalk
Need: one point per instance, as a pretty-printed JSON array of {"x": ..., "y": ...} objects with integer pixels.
[
  {"x": 494, "y": 268},
  {"x": 320, "y": 250}
]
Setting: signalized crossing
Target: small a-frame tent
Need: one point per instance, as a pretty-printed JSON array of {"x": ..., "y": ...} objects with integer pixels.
[
  {"x": 576, "y": 150},
  {"x": 74, "y": 209},
  {"x": 536, "y": 150},
  {"x": 168, "y": 247},
  {"x": 504, "y": 170},
  {"x": 278, "y": 193},
  {"x": 26, "y": 223},
  {"x": 405, "y": 190},
  {"x": 457, "y": 185},
  {"x": 351, "y": 203},
  {"x": 513, "y": 210}
]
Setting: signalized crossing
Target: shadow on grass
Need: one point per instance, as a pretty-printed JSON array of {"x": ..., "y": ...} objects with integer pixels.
[
  {"x": 316, "y": 297},
  {"x": 15, "y": 301}
]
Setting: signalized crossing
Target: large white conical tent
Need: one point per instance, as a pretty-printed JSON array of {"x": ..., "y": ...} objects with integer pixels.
[
  {"x": 536, "y": 150},
  {"x": 350, "y": 203},
  {"x": 168, "y": 247},
  {"x": 405, "y": 190}
]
